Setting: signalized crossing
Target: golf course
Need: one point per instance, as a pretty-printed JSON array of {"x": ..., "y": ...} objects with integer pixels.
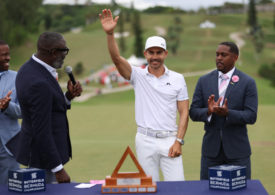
[{"x": 102, "y": 127}]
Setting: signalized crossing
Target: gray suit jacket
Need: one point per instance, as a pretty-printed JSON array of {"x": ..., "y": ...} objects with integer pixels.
[
  {"x": 9, "y": 125},
  {"x": 242, "y": 105}
]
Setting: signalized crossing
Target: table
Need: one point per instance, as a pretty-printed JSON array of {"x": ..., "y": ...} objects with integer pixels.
[{"x": 254, "y": 187}]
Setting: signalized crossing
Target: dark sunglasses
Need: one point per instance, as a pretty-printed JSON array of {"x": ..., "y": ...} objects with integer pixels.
[{"x": 65, "y": 50}]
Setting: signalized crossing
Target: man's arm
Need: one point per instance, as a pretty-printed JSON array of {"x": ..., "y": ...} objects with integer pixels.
[
  {"x": 198, "y": 111},
  {"x": 175, "y": 149},
  {"x": 248, "y": 114},
  {"x": 108, "y": 25}
]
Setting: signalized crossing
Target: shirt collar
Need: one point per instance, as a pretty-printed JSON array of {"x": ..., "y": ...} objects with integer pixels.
[
  {"x": 45, "y": 65},
  {"x": 3, "y": 72},
  {"x": 166, "y": 70},
  {"x": 229, "y": 73}
]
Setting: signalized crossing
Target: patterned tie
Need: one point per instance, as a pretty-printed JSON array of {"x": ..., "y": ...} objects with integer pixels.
[{"x": 223, "y": 86}]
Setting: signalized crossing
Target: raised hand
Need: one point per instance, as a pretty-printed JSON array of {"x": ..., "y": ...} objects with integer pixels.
[{"x": 107, "y": 21}]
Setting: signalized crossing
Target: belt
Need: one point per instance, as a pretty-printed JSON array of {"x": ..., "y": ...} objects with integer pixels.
[{"x": 156, "y": 133}]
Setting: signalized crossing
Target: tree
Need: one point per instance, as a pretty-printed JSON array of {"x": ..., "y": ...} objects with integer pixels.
[
  {"x": 255, "y": 28},
  {"x": 138, "y": 47},
  {"x": 173, "y": 43},
  {"x": 268, "y": 72},
  {"x": 173, "y": 35},
  {"x": 258, "y": 39},
  {"x": 113, "y": 3},
  {"x": 128, "y": 15},
  {"x": 18, "y": 19},
  {"x": 252, "y": 15},
  {"x": 79, "y": 68},
  {"x": 121, "y": 31},
  {"x": 264, "y": 1}
]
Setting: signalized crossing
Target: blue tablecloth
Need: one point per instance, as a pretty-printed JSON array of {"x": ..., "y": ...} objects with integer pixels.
[{"x": 254, "y": 187}]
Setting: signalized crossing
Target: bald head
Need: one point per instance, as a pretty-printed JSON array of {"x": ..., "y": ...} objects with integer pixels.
[
  {"x": 52, "y": 49},
  {"x": 49, "y": 40}
]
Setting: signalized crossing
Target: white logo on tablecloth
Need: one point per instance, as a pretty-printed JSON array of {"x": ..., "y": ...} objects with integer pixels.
[
  {"x": 15, "y": 175},
  {"x": 219, "y": 173},
  {"x": 34, "y": 176},
  {"x": 238, "y": 173}
]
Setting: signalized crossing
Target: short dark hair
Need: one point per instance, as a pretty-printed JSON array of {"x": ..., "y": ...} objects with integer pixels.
[
  {"x": 2, "y": 42},
  {"x": 48, "y": 40},
  {"x": 233, "y": 48}
]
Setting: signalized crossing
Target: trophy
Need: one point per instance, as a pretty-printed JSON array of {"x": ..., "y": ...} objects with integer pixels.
[{"x": 128, "y": 182}]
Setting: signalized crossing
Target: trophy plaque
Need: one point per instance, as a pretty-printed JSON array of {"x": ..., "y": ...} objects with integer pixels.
[{"x": 128, "y": 182}]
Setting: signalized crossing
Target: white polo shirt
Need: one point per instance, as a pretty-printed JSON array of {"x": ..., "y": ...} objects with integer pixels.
[{"x": 156, "y": 98}]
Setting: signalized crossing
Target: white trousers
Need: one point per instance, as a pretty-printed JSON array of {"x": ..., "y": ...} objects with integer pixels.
[{"x": 152, "y": 154}]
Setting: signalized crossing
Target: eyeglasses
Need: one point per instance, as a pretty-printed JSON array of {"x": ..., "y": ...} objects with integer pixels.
[{"x": 64, "y": 51}]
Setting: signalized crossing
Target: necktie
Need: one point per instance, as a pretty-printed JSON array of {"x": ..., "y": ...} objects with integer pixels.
[{"x": 223, "y": 86}]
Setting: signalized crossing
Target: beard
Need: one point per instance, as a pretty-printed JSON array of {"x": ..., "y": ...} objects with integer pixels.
[
  {"x": 155, "y": 60},
  {"x": 4, "y": 65},
  {"x": 58, "y": 63}
]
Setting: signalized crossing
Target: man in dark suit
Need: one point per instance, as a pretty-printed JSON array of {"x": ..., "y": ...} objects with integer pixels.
[
  {"x": 226, "y": 101},
  {"x": 44, "y": 140}
]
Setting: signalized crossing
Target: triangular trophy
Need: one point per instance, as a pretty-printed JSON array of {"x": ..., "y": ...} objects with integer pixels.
[{"x": 128, "y": 182}]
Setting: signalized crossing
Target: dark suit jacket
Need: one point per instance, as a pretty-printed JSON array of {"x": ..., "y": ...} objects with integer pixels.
[
  {"x": 242, "y": 104},
  {"x": 44, "y": 140}
]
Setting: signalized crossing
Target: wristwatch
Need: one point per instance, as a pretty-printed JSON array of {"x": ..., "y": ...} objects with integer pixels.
[{"x": 181, "y": 141}]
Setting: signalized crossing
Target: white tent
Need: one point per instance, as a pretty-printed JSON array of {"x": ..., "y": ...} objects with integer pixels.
[
  {"x": 134, "y": 61},
  {"x": 207, "y": 24}
]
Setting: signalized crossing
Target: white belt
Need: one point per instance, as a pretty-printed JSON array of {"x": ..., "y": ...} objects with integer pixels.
[{"x": 156, "y": 133}]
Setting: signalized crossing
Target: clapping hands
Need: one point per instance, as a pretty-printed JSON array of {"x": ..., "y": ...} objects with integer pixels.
[
  {"x": 4, "y": 102},
  {"x": 215, "y": 107}
]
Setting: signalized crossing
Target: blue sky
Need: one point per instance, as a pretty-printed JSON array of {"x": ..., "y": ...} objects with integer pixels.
[{"x": 142, "y": 4}]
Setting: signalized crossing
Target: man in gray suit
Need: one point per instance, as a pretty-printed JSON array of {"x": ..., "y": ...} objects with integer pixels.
[
  {"x": 226, "y": 101},
  {"x": 9, "y": 112}
]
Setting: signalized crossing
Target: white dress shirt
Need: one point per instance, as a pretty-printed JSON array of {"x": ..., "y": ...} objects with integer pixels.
[{"x": 229, "y": 74}]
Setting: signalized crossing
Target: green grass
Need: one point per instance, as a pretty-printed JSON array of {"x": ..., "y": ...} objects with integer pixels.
[
  {"x": 104, "y": 126},
  {"x": 101, "y": 131},
  {"x": 196, "y": 52}
]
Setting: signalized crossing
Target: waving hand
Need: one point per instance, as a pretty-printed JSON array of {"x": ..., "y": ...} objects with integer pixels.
[{"x": 107, "y": 21}]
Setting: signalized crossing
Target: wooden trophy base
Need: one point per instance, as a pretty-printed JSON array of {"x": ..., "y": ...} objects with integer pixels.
[
  {"x": 129, "y": 188},
  {"x": 128, "y": 182}
]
